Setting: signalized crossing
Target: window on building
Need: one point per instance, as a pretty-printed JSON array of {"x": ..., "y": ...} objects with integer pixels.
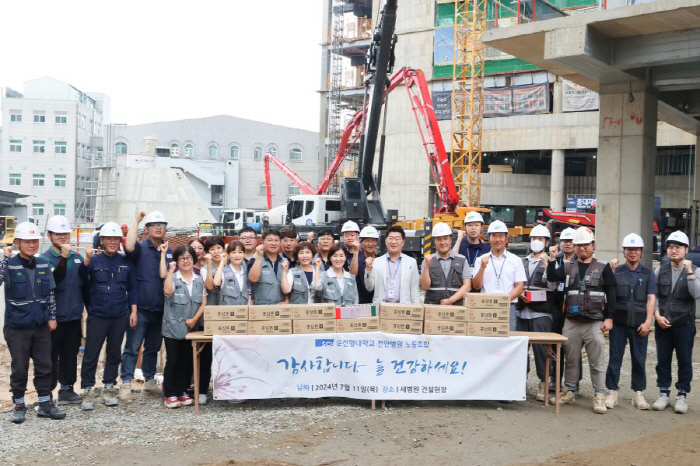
[
  {"x": 38, "y": 180},
  {"x": 257, "y": 153},
  {"x": 121, "y": 148},
  {"x": 295, "y": 155},
  {"x": 213, "y": 151},
  {"x": 39, "y": 118},
  {"x": 82, "y": 121},
  {"x": 59, "y": 209},
  {"x": 272, "y": 150},
  {"x": 234, "y": 152},
  {"x": 39, "y": 147},
  {"x": 59, "y": 181},
  {"x": 61, "y": 118},
  {"x": 293, "y": 190},
  {"x": 37, "y": 209},
  {"x": 189, "y": 150},
  {"x": 60, "y": 147},
  {"x": 15, "y": 179},
  {"x": 15, "y": 116},
  {"x": 174, "y": 145},
  {"x": 263, "y": 189},
  {"x": 15, "y": 145}
]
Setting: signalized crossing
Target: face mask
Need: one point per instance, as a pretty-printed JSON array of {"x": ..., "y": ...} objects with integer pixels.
[{"x": 536, "y": 246}]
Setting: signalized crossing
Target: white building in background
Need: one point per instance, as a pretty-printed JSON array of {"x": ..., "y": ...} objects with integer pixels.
[{"x": 49, "y": 134}]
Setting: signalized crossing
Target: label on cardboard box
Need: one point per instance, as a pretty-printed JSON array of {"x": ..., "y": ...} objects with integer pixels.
[
  {"x": 444, "y": 327},
  {"x": 358, "y": 310},
  {"x": 414, "y": 327},
  {"x": 401, "y": 311},
  {"x": 488, "y": 315},
  {"x": 226, "y": 327},
  {"x": 313, "y": 325},
  {"x": 487, "y": 300},
  {"x": 452, "y": 313},
  {"x": 358, "y": 324},
  {"x": 270, "y": 312},
  {"x": 488, "y": 329},
  {"x": 313, "y": 311},
  {"x": 270, "y": 327},
  {"x": 225, "y": 313},
  {"x": 535, "y": 295}
]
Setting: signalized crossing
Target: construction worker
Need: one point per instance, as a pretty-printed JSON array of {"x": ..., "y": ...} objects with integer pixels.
[
  {"x": 351, "y": 233},
  {"x": 473, "y": 247},
  {"x": 679, "y": 287},
  {"x": 68, "y": 271},
  {"x": 266, "y": 273},
  {"x": 111, "y": 310},
  {"x": 289, "y": 241},
  {"x": 500, "y": 271},
  {"x": 336, "y": 285},
  {"x": 369, "y": 241},
  {"x": 632, "y": 320},
  {"x": 590, "y": 303},
  {"x": 249, "y": 238},
  {"x": 536, "y": 316},
  {"x": 147, "y": 327},
  {"x": 30, "y": 317},
  {"x": 297, "y": 281},
  {"x": 395, "y": 274},
  {"x": 325, "y": 242},
  {"x": 445, "y": 276}
]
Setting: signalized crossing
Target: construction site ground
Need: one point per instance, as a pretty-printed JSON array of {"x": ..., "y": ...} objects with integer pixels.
[{"x": 347, "y": 432}]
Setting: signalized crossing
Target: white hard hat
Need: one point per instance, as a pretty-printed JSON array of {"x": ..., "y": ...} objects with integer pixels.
[
  {"x": 497, "y": 227},
  {"x": 583, "y": 235},
  {"x": 567, "y": 233},
  {"x": 369, "y": 232},
  {"x": 58, "y": 224},
  {"x": 441, "y": 229},
  {"x": 27, "y": 230},
  {"x": 155, "y": 217},
  {"x": 473, "y": 217},
  {"x": 111, "y": 229},
  {"x": 350, "y": 226},
  {"x": 540, "y": 230},
  {"x": 633, "y": 240},
  {"x": 678, "y": 237}
]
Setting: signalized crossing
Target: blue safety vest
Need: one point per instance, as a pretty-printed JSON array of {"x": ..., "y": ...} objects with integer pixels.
[
  {"x": 109, "y": 285},
  {"x": 27, "y": 293},
  {"x": 69, "y": 293}
]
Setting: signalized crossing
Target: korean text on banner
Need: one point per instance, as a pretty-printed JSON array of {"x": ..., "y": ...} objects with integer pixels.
[{"x": 371, "y": 365}]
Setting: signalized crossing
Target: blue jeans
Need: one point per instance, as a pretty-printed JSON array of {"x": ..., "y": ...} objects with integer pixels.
[
  {"x": 149, "y": 328},
  {"x": 619, "y": 336},
  {"x": 681, "y": 339}
]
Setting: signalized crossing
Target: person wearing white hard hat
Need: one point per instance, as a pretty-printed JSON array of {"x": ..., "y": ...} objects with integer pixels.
[
  {"x": 634, "y": 314},
  {"x": 30, "y": 317},
  {"x": 537, "y": 316},
  {"x": 395, "y": 274},
  {"x": 445, "y": 276},
  {"x": 678, "y": 288},
  {"x": 69, "y": 271},
  {"x": 369, "y": 242},
  {"x": 590, "y": 304},
  {"x": 111, "y": 283},
  {"x": 500, "y": 271},
  {"x": 473, "y": 247},
  {"x": 145, "y": 326},
  {"x": 351, "y": 233}
]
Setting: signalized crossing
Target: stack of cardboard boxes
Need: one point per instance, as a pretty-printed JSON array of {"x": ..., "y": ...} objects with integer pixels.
[
  {"x": 401, "y": 318},
  {"x": 488, "y": 315}
]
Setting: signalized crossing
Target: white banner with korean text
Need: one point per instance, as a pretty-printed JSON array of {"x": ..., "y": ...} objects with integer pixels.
[{"x": 369, "y": 366}]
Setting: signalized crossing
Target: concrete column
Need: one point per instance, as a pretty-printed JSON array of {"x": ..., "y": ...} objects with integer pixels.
[
  {"x": 557, "y": 198},
  {"x": 694, "y": 226},
  {"x": 626, "y": 166}
]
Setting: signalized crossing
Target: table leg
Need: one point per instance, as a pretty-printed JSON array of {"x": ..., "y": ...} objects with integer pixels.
[
  {"x": 557, "y": 367},
  {"x": 374, "y": 404},
  {"x": 195, "y": 374},
  {"x": 546, "y": 376}
]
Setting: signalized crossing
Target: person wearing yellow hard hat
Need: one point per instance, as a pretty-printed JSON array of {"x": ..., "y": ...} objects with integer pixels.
[
  {"x": 471, "y": 247},
  {"x": 445, "y": 276}
]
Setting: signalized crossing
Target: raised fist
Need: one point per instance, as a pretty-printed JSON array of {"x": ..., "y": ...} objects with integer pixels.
[
  {"x": 688, "y": 265},
  {"x": 285, "y": 265},
  {"x": 484, "y": 261},
  {"x": 8, "y": 251},
  {"x": 140, "y": 216},
  {"x": 317, "y": 262},
  {"x": 171, "y": 267},
  {"x": 65, "y": 250},
  {"x": 553, "y": 251},
  {"x": 460, "y": 235},
  {"x": 310, "y": 236},
  {"x": 89, "y": 251},
  {"x": 614, "y": 263},
  {"x": 428, "y": 260},
  {"x": 368, "y": 263},
  {"x": 163, "y": 248},
  {"x": 259, "y": 250},
  {"x": 207, "y": 258}
]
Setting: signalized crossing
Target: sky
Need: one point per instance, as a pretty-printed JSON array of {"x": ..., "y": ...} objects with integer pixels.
[{"x": 169, "y": 60}]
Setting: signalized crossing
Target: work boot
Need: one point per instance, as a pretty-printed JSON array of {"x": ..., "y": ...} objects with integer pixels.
[
  {"x": 88, "y": 403},
  {"x": 109, "y": 396},
  {"x": 567, "y": 396},
  {"x": 125, "y": 394},
  {"x": 599, "y": 404},
  {"x": 639, "y": 402},
  {"x": 540, "y": 391},
  {"x": 661, "y": 402},
  {"x": 68, "y": 397},
  {"x": 611, "y": 399},
  {"x": 151, "y": 387},
  {"x": 681, "y": 404},
  {"x": 50, "y": 410},
  {"x": 19, "y": 412}
]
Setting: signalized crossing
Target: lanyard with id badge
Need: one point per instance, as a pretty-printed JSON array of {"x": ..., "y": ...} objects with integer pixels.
[{"x": 391, "y": 279}]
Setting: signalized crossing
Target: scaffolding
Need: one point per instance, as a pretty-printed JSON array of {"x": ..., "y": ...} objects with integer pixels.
[
  {"x": 100, "y": 191},
  {"x": 335, "y": 84}
]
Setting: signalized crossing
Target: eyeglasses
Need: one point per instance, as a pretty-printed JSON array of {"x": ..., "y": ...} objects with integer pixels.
[
  {"x": 247, "y": 238},
  {"x": 157, "y": 225},
  {"x": 394, "y": 238},
  {"x": 185, "y": 259}
]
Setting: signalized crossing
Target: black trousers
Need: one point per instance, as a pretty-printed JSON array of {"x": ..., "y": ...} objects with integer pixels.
[
  {"x": 34, "y": 344},
  {"x": 65, "y": 344},
  {"x": 618, "y": 337},
  {"x": 681, "y": 339},
  {"x": 178, "y": 367},
  {"x": 205, "y": 358},
  {"x": 538, "y": 324},
  {"x": 99, "y": 329}
]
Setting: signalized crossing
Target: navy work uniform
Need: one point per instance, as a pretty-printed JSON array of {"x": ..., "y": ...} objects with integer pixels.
[
  {"x": 363, "y": 293},
  {"x": 268, "y": 289},
  {"x": 447, "y": 275}
]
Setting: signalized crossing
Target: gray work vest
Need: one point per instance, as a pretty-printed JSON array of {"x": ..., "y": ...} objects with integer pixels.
[
  {"x": 677, "y": 305},
  {"x": 180, "y": 306},
  {"x": 331, "y": 291},
  {"x": 268, "y": 290},
  {"x": 230, "y": 293},
  {"x": 441, "y": 286},
  {"x": 536, "y": 280},
  {"x": 586, "y": 298},
  {"x": 631, "y": 298},
  {"x": 300, "y": 287}
]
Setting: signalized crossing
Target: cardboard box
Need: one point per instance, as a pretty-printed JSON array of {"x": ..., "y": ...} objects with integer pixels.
[
  {"x": 488, "y": 329},
  {"x": 488, "y": 315},
  {"x": 313, "y": 326},
  {"x": 414, "y": 327},
  {"x": 226, "y": 327},
  {"x": 359, "y": 324},
  {"x": 535, "y": 295},
  {"x": 401, "y": 311},
  {"x": 220, "y": 313},
  {"x": 313, "y": 311},
  {"x": 451, "y": 313},
  {"x": 353, "y": 312},
  {"x": 487, "y": 300},
  {"x": 270, "y": 327},
  {"x": 444, "y": 327},
  {"x": 270, "y": 312}
]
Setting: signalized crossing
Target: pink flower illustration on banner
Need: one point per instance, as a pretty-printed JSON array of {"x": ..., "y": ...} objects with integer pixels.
[{"x": 230, "y": 380}]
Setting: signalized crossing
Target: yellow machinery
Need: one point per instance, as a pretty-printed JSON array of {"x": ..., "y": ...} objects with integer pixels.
[{"x": 7, "y": 229}]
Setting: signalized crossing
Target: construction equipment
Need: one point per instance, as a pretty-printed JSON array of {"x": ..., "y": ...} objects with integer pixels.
[{"x": 7, "y": 229}]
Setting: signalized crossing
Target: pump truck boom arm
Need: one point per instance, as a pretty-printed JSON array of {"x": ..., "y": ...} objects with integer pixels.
[{"x": 298, "y": 180}]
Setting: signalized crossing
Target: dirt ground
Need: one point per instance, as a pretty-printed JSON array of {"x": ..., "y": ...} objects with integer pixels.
[{"x": 346, "y": 432}]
